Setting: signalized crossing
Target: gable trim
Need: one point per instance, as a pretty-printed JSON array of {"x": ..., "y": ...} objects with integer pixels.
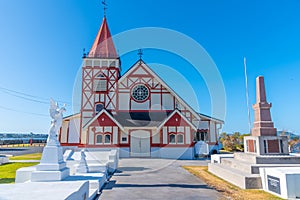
[
  {"x": 100, "y": 113},
  {"x": 146, "y": 67},
  {"x": 71, "y": 116},
  {"x": 171, "y": 115},
  {"x": 211, "y": 118}
]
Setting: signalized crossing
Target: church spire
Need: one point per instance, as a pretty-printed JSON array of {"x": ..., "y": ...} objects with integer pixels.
[{"x": 103, "y": 46}]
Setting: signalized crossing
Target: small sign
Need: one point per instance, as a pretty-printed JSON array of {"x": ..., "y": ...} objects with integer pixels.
[{"x": 274, "y": 184}]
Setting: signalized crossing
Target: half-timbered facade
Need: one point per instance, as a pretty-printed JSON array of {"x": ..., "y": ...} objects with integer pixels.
[{"x": 137, "y": 113}]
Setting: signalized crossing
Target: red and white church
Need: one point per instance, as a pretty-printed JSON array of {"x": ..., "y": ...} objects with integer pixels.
[{"x": 136, "y": 113}]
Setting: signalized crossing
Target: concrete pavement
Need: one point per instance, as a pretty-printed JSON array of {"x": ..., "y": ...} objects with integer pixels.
[{"x": 139, "y": 178}]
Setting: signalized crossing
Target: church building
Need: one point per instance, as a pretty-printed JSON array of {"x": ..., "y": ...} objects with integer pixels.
[{"x": 136, "y": 113}]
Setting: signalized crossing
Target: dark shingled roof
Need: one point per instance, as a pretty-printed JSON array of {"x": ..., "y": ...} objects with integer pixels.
[{"x": 141, "y": 119}]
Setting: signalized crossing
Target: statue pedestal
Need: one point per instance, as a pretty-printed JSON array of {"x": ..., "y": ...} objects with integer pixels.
[
  {"x": 82, "y": 167},
  {"x": 266, "y": 145},
  {"x": 52, "y": 166}
]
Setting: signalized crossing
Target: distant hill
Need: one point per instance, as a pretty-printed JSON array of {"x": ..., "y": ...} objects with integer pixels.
[{"x": 289, "y": 134}]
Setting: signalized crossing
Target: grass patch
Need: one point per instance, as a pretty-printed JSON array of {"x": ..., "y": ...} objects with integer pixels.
[
  {"x": 8, "y": 171},
  {"x": 33, "y": 156},
  {"x": 22, "y": 145},
  {"x": 228, "y": 190},
  {"x": 225, "y": 151}
]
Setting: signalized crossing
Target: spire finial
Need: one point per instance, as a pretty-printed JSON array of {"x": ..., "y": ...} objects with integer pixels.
[
  {"x": 104, "y": 7},
  {"x": 83, "y": 53},
  {"x": 140, "y": 53}
]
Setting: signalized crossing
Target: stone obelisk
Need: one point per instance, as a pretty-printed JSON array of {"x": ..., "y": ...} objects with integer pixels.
[
  {"x": 263, "y": 125},
  {"x": 264, "y": 139}
]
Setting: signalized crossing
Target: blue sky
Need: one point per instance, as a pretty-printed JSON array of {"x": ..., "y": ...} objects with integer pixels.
[{"x": 41, "y": 46}]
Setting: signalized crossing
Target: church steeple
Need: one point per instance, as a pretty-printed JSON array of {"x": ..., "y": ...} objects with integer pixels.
[{"x": 103, "y": 46}]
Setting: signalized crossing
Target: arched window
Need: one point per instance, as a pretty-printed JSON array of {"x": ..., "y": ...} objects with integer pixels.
[
  {"x": 100, "y": 83},
  {"x": 103, "y": 138},
  {"x": 99, "y": 107},
  {"x": 107, "y": 139},
  {"x": 176, "y": 138},
  {"x": 180, "y": 139},
  {"x": 172, "y": 139},
  {"x": 99, "y": 139}
]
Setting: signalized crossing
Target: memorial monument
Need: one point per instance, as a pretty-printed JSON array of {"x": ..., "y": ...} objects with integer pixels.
[
  {"x": 264, "y": 139},
  {"x": 263, "y": 149},
  {"x": 52, "y": 166}
]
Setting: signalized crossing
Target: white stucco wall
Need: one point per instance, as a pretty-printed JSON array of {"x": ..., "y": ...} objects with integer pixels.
[
  {"x": 168, "y": 101},
  {"x": 74, "y": 130},
  {"x": 64, "y": 132},
  {"x": 212, "y": 132},
  {"x": 177, "y": 152},
  {"x": 203, "y": 125}
]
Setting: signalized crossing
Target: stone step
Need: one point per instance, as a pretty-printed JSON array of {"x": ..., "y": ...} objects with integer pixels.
[
  {"x": 255, "y": 167},
  {"x": 237, "y": 177},
  {"x": 277, "y": 159},
  {"x": 250, "y": 167},
  {"x": 237, "y": 164},
  {"x": 267, "y": 159},
  {"x": 245, "y": 157}
]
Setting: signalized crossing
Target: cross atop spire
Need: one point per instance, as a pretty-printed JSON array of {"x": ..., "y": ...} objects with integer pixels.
[
  {"x": 140, "y": 53},
  {"x": 104, "y": 7}
]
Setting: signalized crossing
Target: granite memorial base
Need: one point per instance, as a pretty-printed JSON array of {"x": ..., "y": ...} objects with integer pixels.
[{"x": 283, "y": 182}]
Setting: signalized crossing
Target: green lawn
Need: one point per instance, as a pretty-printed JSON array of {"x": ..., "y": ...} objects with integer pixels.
[
  {"x": 8, "y": 171},
  {"x": 34, "y": 156}
]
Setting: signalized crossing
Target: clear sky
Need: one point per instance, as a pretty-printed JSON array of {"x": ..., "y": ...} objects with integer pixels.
[{"x": 41, "y": 46}]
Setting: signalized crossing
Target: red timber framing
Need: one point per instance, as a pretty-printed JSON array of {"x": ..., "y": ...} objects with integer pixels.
[
  {"x": 103, "y": 123},
  {"x": 177, "y": 124},
  {"x": 90, "y": 97},
  {"x": 140, "y": 73}
]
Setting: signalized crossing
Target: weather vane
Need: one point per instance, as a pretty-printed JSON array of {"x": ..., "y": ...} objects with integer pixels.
[
  {"x": 140, "y": 53},
  {"x": 104, "y": 7}
]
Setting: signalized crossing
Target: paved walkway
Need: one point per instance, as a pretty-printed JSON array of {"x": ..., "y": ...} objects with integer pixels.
[{"x": 156, "y": 179}]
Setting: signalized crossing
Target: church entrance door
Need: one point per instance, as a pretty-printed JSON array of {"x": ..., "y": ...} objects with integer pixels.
[{"x": 140, "y": 143}]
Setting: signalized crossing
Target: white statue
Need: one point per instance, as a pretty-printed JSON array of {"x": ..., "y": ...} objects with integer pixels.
[
  {"x": 56, "y": 114},
  {"x": 82, "y": 167}
]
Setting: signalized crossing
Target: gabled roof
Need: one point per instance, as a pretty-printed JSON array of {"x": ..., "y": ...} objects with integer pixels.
[
  {"x": 106, "y": 113},
  {"x": 181, "y": 115},
  {"x": 72, "y": 116},
  {"x": 210, "y": 118},
  {"x": 141, "y": 62},
  {"x": 103, "y": 46},
  {"x": 141, "y": 119}
]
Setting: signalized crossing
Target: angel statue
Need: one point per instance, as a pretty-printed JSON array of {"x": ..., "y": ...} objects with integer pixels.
[{"x": 56, "y": 114}]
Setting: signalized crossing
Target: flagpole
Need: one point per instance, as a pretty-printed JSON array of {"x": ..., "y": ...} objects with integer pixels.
[{"x": 247, "y": 94}]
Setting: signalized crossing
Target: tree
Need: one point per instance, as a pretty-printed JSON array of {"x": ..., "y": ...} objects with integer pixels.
[
  {"x": 293, "y": 142},
  {"x": 233, "y": 142}
]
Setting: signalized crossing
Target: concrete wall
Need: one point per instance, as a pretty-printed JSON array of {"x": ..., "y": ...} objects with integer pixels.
[
  {"x": 124, "y": 152},
  {"x": 281, "y": 181},
  {"x": 74, "y": 130},
  {"x": 177, "y": 153},
  {"x": 166, "y": 152},
  {"x": 155, "y": 153}
]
